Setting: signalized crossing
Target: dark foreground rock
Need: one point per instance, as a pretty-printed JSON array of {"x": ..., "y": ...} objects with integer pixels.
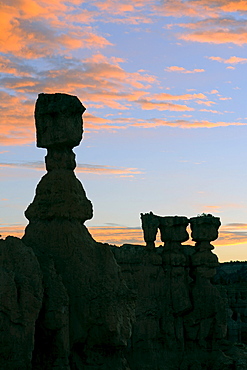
[
  {"x": 70, "y": 303},
  {"x": 21, "y": 295}
]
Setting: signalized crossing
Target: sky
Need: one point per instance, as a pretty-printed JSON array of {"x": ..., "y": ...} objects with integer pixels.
[{"x": 165, "y": 127}]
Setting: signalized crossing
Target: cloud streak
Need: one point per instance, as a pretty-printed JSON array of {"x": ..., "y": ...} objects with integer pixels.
[
  {"x": 183, "y": 70},
  {"x": 230, "y": 235},
  {"x": 85, "y": 168},
  {"x": 158, "y": 122},
  {"x": 231, "y": 60}
]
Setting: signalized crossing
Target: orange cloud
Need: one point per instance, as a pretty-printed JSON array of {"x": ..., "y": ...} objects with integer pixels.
[
  {"x": 231, "y": 60},
  {"x": 233, "y": 6},
  {"x": 103, "y": 83},
  {"x": 120, "y": 8},
  {"x": 117, "y": 235},
  {"x": 13, "y": 230},
  {"x": 185, "y": 97},
  {"x": 14, "y": 67},
  {"x": 186, "y": 124},
  {"x": 217, "y": 37},
  {"x": 86, "y": 168},
  {"x": 76, "y": 40},
  {"x": 157, "y": 122},
  {"x": 114, "y": 11},
  {"x": 128, "y": 19},
  {"x": 106, "y": 170},
  {"x": 98, "y": 123},
  {"x": 200, "y": 8},
  {"x": 217, "y": 30},
  {"x": 207, "y": 102},
  {"x": 230, "y": 235},
  {"x": 180, "y": 8},
  {"x": 103, "y": 80},
  {"x": 210, "y": 111},
  {"x": 16, "y": 124},
  {"x": 160, "y": 105},
  {"x": 183, "y": 70},
  {"x": 31, "y": 30},
  {"x": 83, "y": 16},
  {"x": 124, "y": 235}
]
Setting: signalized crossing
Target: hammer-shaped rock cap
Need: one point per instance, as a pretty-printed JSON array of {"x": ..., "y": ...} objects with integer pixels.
[{"x": 58, "y": 120}]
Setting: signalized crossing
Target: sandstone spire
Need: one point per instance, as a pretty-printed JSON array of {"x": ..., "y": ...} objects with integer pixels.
[{"x": 87, "y": 308}]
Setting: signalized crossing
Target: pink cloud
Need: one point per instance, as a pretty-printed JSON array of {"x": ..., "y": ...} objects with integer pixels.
[
  {"x": 215, "y": 31},
  {"x": 107, "y": 170},
  {"x": 161, "y": 101},
  {"x": 185, "y": 124},
  {"x": 185, "y": 97},
  {"x": 160, "y": 105},
  {"x": 210, "y": 110},
  {"x": 158, "y": 122},
  {"x": 85, "y": 168},
  {"x": 217, "y": 37},
  {"x": 231, "y": 60},
  {"x": 183, "y": 70},
  {"x": 205, "y": 102}
]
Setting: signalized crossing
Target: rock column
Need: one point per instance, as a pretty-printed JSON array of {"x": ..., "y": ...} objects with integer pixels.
[
  {"x": 150, "y": 224},
  {"x": 205, "y": 326},
  {"x": 173, "y": 233},
  {"x": 85, "y": 321},
  {"x": 58, "y": 119}
]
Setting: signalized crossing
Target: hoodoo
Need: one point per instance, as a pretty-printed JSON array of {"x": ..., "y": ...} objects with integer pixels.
[
  {"x": 68, "y": 302},
  {"x": 85, "y": 320}
]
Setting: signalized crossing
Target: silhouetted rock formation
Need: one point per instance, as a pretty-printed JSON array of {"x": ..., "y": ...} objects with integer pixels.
[
  {"x": 70, "y": 303},
  {"x": 86, "y": 315},
  {"x": 180, "y": 316}
]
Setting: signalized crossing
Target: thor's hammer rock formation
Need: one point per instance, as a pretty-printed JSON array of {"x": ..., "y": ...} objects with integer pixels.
[{"x": 85, "y": 320}]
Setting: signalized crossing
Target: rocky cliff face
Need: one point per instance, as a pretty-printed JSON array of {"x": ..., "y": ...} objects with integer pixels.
[
  {"x": 70, "y": 303},
  {"x": 231, "y": 279},
  {"x": 21, "y": 295}
]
